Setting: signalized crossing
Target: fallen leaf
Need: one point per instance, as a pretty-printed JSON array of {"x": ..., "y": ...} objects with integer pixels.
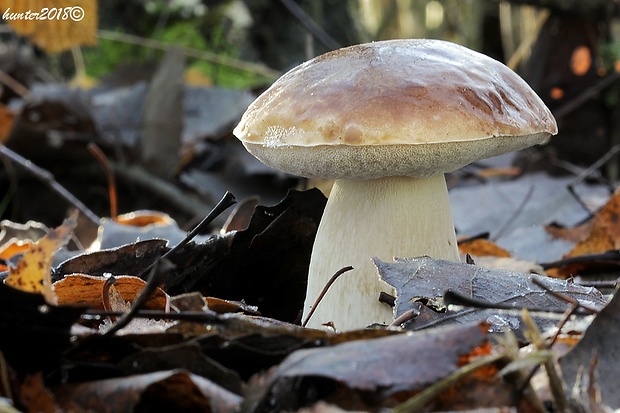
[
  {"x": 159, "y": 391},
  {"x": 600, "y": 340},
  {"x": 35, "y": 396},
  {"x": 131, "y": 258},
  {"x": 482, "y": 247},
  {"x": 12, "y": 248},
  {"x": 186, "y": 355},
  {"x": 33, "y": 271},
  {"x": 424, "y": 279},
  {"x": 33, "y": 334},
  {"x": 138, "y": 226},
  {"x": 6, "y": 122},
  {"x": 387, "y": 367},
  {"x": 85, "y": 290},
  {"x": 603, "y": 234},
  {"x": 227, "y": 306},
  {"x": 58, "y": 26},
  {"x": 241, "y": 216}
]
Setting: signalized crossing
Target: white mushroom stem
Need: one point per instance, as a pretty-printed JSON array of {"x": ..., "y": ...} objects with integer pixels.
[{"x": 384, "y": 218}]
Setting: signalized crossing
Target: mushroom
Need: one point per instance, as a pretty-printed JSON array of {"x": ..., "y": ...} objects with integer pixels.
[{"x": 386, "y": 120}]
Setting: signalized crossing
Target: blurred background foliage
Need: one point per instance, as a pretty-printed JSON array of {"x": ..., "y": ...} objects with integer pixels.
[
  {"x": 568, "y": 50},
  {"x": 269, "y": 32}
]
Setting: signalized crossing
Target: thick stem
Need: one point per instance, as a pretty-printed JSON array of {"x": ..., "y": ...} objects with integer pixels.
[{"x": 384, "y": 218}]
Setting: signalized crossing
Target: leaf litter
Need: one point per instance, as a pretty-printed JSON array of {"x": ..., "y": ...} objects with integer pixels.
[{"x": 232, "y": 302}]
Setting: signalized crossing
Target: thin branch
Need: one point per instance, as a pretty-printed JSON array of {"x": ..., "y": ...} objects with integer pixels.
[
  {"x": 324, "y": 291},
  {"x": 589, "y": 171},
  {"x": 47, "y": 178},
  {"x": 195, "y": 53},
  {"x": 105, "y": 295},
  {"x": 586, "y": 95},
  {"x": 112, "y": 191},
  {"x": 312, "y": 26},
  {"x": 191, "y": 205},
  {"x": 564, "y": 297},
  {"x": 610, "y": 258},
  {"x": 515, "y": 214},
  {"x": 13, "y": 84}
]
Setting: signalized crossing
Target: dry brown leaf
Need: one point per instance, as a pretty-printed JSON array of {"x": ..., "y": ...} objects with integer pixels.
[
  {"x": 6, "y": 122},
  {"x": 500, "y": 172},
  {"x": 158, "y": 391},
  {"x": 33, "y": 271},
  {"x": 53, "y": 25},
  {"x": 482, "y": 247},
  {"x": 35, "y": 396},
  {"x": 82, "y": 289},
  {"x": 603, "y": 236},
  {"x": 574, "y": 235}
]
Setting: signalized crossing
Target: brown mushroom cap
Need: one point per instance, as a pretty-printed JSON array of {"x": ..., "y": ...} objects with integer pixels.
[{"x": 397, "y": 107}]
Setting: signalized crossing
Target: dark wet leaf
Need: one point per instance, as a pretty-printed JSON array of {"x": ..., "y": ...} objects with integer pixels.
[
  {"x": 265, "y": 265},
  {"x": 186, "y": 355},
  {"x": 33, "y": 334},
  {"x": 160, "y": 391},
  {"x": 127, "y": 259},
  {"x": 369, "y": 370},
  {"x": 427, "y": 280},
  {"x": 600, "y": 340}
]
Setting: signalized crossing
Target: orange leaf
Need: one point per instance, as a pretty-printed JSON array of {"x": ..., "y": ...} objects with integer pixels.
[
  {"x": 11, "y": 249},
  {"x": 482, "y": 247},
  {"x": 33, "y": 271},
  {"x": 82, "y": 289},
  {"x": 144, "y": 218},
  {"x": 603, "y": 236},
  {"x": 6, "y": 122},
  {"x": 53, "y": 25}
]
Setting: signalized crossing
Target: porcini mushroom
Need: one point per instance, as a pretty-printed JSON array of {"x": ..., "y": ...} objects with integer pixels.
[{"x": 386, "y": 120}]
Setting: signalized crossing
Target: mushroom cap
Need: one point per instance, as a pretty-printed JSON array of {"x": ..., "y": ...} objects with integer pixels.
[{"x": 411, "y": 107}]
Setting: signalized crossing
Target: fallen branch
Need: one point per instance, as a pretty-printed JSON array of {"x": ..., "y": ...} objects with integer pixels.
[{"x": 47, "y": 178}]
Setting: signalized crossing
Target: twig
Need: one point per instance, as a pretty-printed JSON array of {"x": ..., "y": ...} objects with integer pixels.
[
  {"x": 526, "y": 44},
  {"x": 482, "y": 235},
  {"x": 191, "y": 205},
  {"x": 589, "y": 171},
  {"x": 47, "y": 178},
  {"x": 586, "y": 95},
  {"x": 515, "y": 214},
  {"x": 4, "y": 378},
  {"x": 197, "y": 316},
  {"x": 565, "y": 317},
  {"x": 324, "y": 291},
  {"x": 420, "y": 401},
  {"x": 454, "y": 298},
  {"x": 112, "y": 191},
  {"x": 609, "y": 257},
  {"x": 555, "y": 383},
  {"x": 316, "y": 30},
  {"x": 405, "y": 317},
  {"x": 13, "y": 84},
  {"x": 564, "y": 297},
  {"x": 105, "y": 295},
  {"x": 198, "y": 54},
  {"x": 152, "y": 281}
]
